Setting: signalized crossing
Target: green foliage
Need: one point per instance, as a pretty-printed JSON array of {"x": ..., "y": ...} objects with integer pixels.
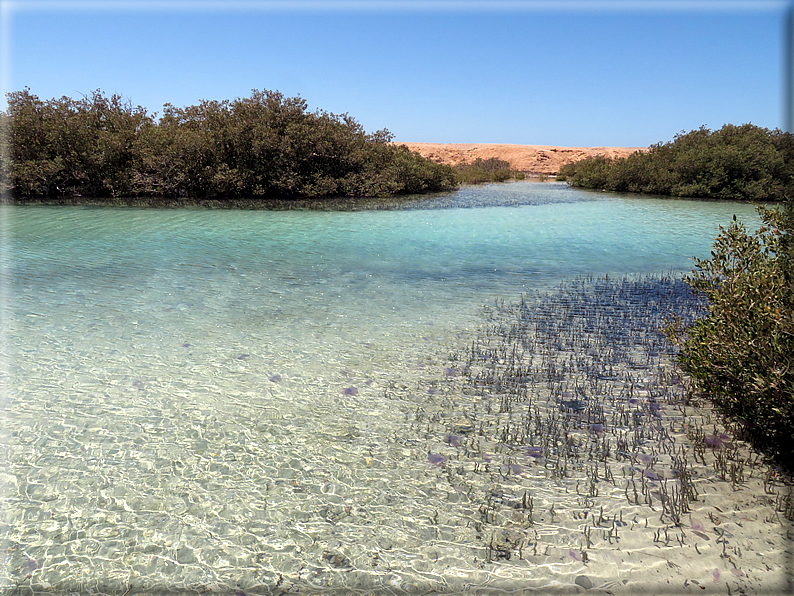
[
  {"x": 742, "y": 354},
  {"x": 485, "y": 170},
  {"x": 265, "y": 145},
  {"x": 736, "y": 162},
  {"x": 592, "y": 172},
  {"x": 66, "y": 145}
]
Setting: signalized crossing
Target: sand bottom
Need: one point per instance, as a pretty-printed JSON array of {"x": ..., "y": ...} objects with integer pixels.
[{"x": 549, "y": 446}]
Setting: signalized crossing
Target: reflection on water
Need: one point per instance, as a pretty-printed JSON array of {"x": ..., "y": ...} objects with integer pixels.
[{"x": 255, "y": 402}]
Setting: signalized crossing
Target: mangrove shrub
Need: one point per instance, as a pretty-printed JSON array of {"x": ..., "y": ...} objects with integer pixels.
[
  {"x": 265, "y": 145},
  {"x": 741, "y": 355},
  {"x": 481, "y": 170},
  {"x": 744, "y": 162}
]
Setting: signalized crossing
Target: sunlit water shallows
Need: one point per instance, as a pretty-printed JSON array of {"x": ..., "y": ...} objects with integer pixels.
[{"x": 259, "y": 401}]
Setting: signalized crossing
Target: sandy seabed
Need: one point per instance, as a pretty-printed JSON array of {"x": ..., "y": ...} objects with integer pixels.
[{"x": 557, "y": 454}]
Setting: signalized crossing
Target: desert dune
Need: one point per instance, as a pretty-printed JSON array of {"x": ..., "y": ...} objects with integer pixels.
[{"x": 533, "y": 159}]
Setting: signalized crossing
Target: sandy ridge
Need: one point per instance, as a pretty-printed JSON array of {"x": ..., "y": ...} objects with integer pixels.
[{"x": 536, "y": 159}]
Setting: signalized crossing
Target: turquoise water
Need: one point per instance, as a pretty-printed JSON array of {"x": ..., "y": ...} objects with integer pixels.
[
  {"x": 205, "y": 399},
  {"x": 344, "y": 259}
]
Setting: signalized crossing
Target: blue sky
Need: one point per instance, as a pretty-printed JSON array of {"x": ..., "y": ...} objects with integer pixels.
[{"x": 569, "y": 73}]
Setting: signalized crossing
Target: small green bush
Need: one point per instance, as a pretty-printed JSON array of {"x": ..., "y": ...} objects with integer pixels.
[
  {"x": 592, "y": 172},
  {"x": 485, "y": 170},
  {"x": 741, "y": 355}
]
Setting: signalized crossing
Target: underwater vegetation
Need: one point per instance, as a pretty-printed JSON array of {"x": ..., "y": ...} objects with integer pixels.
[{"x": 571, "y": 403}]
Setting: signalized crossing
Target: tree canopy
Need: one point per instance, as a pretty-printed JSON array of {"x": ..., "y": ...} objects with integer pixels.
[
  {"x": 744, "y": 162},
  {"x": 265, "y": 145}
]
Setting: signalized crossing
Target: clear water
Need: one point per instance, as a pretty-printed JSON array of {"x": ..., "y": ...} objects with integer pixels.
[{"x": 210, "y": 400}]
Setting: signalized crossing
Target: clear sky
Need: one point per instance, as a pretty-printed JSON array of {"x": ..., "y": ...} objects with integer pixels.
[{"x": 558, "y": 72}]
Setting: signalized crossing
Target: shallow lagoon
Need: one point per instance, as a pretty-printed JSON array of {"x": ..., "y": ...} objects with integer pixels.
[{"x": 262, "y": 401}]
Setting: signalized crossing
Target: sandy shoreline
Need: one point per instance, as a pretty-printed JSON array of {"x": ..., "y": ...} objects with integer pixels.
[{"x": 536, "y": 159}]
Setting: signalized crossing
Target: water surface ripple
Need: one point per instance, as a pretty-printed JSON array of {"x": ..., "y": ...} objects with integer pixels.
[{"x": 270, "y": 401}]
